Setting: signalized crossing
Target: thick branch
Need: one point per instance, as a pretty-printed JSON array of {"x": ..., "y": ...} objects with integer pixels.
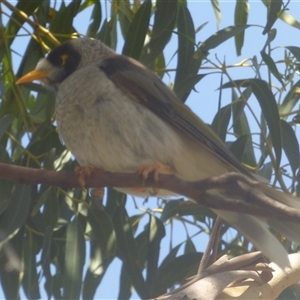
[{"x": 256, "y": 203}]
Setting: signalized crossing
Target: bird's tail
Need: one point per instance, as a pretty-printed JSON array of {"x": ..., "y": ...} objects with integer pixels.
[{"x": 257, "y": 231}]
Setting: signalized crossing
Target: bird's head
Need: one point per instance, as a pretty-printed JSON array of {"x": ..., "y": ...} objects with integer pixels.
[{"x": 65, "y": 59}]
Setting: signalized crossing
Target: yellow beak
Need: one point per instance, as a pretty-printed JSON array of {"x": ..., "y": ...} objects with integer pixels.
[{"x": 33, "y": 75}]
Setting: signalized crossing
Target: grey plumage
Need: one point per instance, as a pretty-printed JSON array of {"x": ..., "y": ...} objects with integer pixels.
[{"x": 116, "y": 115}]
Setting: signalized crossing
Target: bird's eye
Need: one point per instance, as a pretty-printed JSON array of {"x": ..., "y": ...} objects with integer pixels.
[{"x": 64, "y": 59}]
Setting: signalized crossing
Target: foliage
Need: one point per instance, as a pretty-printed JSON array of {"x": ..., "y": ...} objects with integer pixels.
[{"x": 68, "y": 239}]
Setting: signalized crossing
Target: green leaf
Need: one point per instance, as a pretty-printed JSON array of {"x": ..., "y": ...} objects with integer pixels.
[
  {"x": 220, "y": 37},
  {"x": 74, "y": 261},
  {"x": 217, "y": 11},
  {"x": 290, "y": 145},
  {"x": 51, "y": 209},
  {"x": 221, "y": 121},
  {"x": 125, "y": 15},
  {"x": 186, "y": 42},
  {"x": 290, "y": 100},
  {"x": 29, "y": 61},
  {"x": 17, "y": 210},
  {"x": 189, "y": 246},
  {"x": 11, "y": 266},
  {"x": 30, "y": 280},
  {"x": 240, "y": 18},
  {"x": 288, "y": 19},
  {"x": 128, "y": 252},
  {"x": 137, "y": 31},
  {"x": 177, "y": 270},
  {"x": 271, "y": 37},
  {"x": 185, "y": 208},
  {"x": 16, "y": 21},
  {"x": 5, "y": 192},
  {"x": 96, "y": 19},
  {"x": 266, "y": 171},
  {"x": 238, "y": 147},
  {"x": 103, "y": 231},
  {"x": 186, "y": 85},
  {"x": 170, "y": 257},
  {"x": 5, "y": 122},
  {"x": 271, "y": 65},
  {"x": 63, "y": 20},
  {"x": 238, "y": 105},
  {"x": 240, "y": 124},
  {"x": 162, "y": 30},
  {"x": 103, "y": 246},
  {"x": 41, "y": 201},
  {"x": 269, "y": 109},
  {"x": 156, "y": 234},
  {"x": 295, "y": 51},
  {"x": 125, "y": 289},
  {"x": 273, "y": 11},
  {"x": 104, "y": 34}
]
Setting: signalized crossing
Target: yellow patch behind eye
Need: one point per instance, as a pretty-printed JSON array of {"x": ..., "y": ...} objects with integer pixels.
[{"x": 64, "y": 59}]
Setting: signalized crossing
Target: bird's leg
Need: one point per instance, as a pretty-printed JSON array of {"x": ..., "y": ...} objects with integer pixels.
[
  {"x": 155, "y": 168},
  {"x": 83, "y": 173}
]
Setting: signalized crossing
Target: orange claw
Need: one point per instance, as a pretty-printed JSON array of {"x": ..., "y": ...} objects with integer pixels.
[
  {"x": 156, "y": 169},
  {"x": 84, "y": 172}
]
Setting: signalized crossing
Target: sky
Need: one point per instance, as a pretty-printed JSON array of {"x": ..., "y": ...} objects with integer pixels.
[{"x": 205, "y": 101}]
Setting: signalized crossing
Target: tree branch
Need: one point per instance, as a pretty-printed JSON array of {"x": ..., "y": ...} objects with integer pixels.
[{"x": 239, "y": 186}]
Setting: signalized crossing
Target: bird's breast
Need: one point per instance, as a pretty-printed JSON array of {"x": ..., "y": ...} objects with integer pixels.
[{"x": 104, "y": 128}]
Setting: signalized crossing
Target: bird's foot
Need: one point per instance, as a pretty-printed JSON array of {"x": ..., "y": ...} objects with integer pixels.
[
  {"x": 156, "y": 169},
  {"x": 83, "y": 173}
]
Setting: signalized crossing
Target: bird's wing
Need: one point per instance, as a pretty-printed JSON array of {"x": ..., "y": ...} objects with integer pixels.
[{"x": 146, "y": 88}]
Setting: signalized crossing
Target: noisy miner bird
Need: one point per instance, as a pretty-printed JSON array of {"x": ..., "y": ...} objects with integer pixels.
[{"x": 116, "y": 115}]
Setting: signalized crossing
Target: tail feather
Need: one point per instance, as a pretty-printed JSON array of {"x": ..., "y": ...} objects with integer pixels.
[
  {"x": 257, "y": 232},
  {"x": 288, "y": 229},
  {"x": 282, "y": 197}
]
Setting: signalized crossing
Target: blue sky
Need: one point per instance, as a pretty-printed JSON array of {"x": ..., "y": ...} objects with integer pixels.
[{"x": 205, "y": 102}]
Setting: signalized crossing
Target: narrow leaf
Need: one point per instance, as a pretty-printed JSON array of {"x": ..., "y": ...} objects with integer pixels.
[
  {"x": 125, "y": 16},
  {"x": 102, "y": 252},
  {"x": 30, "y": 280},
  {"x": 96, "y": 19},
  {"x": 240, "y": 124},
  {"x": 11, "y": 266},
  {"x": 240, "y": 18},
  {"x": 221, "y": 121},
  {"x": 271, "y": 65},
  {"x": 186, "y": 85},
  {"x": 217, "y": 11},
  {"x": 164, "y": 22},
  {"x": 238, "y": 147},
  {"x": 221, "y": 36},
  {"x": 177, "y": 270},
  {"x": 269, "y": 109},
  {"x": 186, "y": 41},
  {"x": 290, "y": 100},
  {"x": 137, "y": 31},
  {"x": 74, "y": 261},
  {"x": 156, "y": 233},
  {"x": 295, "y": 51},
  {"x": 128, "y": 251},
  {"x": 17, "y": 210},
  {"x": 290, "y": 20},
  {"x": 104, "y": 34},
  {"x": 5, "y": 192},
  {"x": 290, "y": 145},
  {"x": 273, "y": 11},
  {"x": 5, "y": 122}
]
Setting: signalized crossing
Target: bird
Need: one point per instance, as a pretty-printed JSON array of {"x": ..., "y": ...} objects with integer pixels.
[{"x": 115, "y": 114}]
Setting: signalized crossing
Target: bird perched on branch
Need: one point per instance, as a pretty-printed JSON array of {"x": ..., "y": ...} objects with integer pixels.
[{"x": 116, "y": 115}]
